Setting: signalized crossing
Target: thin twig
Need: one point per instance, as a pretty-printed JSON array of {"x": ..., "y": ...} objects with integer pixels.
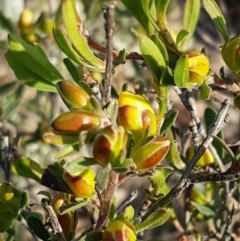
[
  {"x": 185, "y": 180},
  {"x": 222, "y": 119},
  {"x": 226, "y": 226},
  {"x": 6, "y": 153},
  {"x": 216, "y": 177},
  {"x": 105, "y": 202},
  {"x": 196, "y": 128},
  {"x": 132, "y": 196},
  {"x": 57, "y": 229},
  {"x": 108, "y": 13}
]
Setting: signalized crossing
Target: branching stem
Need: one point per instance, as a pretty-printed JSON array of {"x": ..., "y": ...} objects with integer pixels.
[
  {"x": 107, "y": 197},
  {"x": 186, "y": 178}
]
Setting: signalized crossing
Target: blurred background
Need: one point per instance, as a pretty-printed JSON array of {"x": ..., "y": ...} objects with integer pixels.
[{"x": 24, "y": 109}]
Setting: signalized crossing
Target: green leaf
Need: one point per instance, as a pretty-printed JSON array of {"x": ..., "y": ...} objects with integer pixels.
[
  {"x": 121, "y": 58},
  {"x": 112, "y": 209},
  {"x": 7, "y": 87},
  {"x": 46, "y": 194},
  {"x": 205, "y": 91},
  {"x": 209, "y": 118},
  {"x": 72, "y": 69},
  {"x": 123, "y": 167},
  {"x": 236, "y": 102},
  {"x": 86, "y": 87},
  {"x": 217, "y": 17},
  {"x": 73, "y": 206},
  {"x": 161, "y": 6},
  {"x": 102, "y": 178},
  {"x": 26, "y": 214},
  {"x": 181, "y": 37},
  {"x": 92, "y": 236},
  {"x": 161, "y": 47},
  {"x": 139, "y": 9},
  {"x": 153, "y": 57},
  {"x": 27, "y": 76},
  {"x": 5, "y": 23},
  {"x": 73, "y": 26},
  {"x": 31, "y": 65},
  {"x": 80, "y": 164},
  {"x": 129, "y": 213},
  {"x": 56, "y": 170},
  {"x": 191, "y": 15},
  {"x": 38, "y": 228},
  {"x": 181, "y": 72},
  {"x": 26, "y": 167},
  {"x": 67, "y": 151},
  {"x": 158, "y": 218},
  {"x": 204, "y": 209},
  {"x": 24, "y": 199},
  {"x": 53, "y": 179},
  {"x": 168, "y": 78},
  {"x": 173, "y": 156},
  {"x": 10, "y": 198},
  {"x": 60, "y": 139},
  {"x": 169, "y": 120},
  {"x": 158, "y": 181},
  {"x": 67, "y": 48}
]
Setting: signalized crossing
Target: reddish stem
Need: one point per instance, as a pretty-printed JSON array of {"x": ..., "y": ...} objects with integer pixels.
[{"x": 107, "y": 197}]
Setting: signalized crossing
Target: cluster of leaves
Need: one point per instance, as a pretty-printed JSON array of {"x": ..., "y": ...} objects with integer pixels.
[{"x": 127, "y": 136}]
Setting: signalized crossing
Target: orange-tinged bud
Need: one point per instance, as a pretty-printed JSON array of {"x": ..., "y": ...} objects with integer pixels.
[
  {"x": 109, "y": 145},
  {"x": 198, "y": 64},
  {"x": 73, "y": 95},
  {"x": 231, "y": 54},
  {"x": 26, "y": 18},
  {"x": 206, "y": 159},
  {"x": 150, "y": 153},
  {"x": 68, "y": 221},
  {"x": 120, "y": 230},
  {"x": 135, "y": 114},
  {"x": 75, "y": 121},
  {"x": 81, "y": 184}
]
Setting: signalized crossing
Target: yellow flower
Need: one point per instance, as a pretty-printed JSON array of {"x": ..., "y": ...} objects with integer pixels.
[{"x": 135, "y": 114}]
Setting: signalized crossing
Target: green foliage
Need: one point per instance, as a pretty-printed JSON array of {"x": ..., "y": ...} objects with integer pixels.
[
  {"x": 31, "y": 65},
  {"x": 126, "y": 137}
]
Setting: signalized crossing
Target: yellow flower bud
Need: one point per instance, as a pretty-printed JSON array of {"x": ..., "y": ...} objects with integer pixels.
[
  {"x": 206, "y": 159},
  {"x": 73, "y": 96},
  {"x": 119, "y": 230},
  {"x": 109, "y": 145},
  {"x": 68, "y": 221},
  {"x": 26, "y": 18},
  {"x": 150, "y": 153},
  {"x": 75, "y": 121},
  {"x": 135, "y": 114},
  {"x": 81, "y": 184},
  {"x": 198, "y": 64}
]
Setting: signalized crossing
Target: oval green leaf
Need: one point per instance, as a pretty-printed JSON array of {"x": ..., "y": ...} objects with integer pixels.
[{"x": 217, "y": 17}]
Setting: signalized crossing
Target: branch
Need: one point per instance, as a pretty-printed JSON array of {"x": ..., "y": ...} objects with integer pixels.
[
  {"x": 105, "y": 202},
  {"x": 185, "y": 180},
  {"x": 6, "y": 153},
  {"x": 108, "y": 13},
  {"x": 57, "y": 229}
]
